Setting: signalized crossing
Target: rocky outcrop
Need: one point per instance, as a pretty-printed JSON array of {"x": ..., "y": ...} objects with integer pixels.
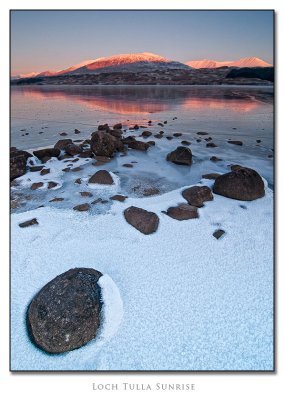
[
  {"x": 65, "y": 314},
  {"x": 144, "y": 221},
  {"x": 181, "y": 156},
  {"x": 18, "y": 162},
  {"x": 61, "y": 144},
  {"x": 104, "y": 144},
  {"x": 197, "y": 195},
  {"x": 240, "y": 184},
  {"x": 45, "y": 154}
]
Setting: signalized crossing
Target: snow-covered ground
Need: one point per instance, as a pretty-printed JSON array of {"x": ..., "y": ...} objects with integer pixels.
[{"x": 175, "y": 300}]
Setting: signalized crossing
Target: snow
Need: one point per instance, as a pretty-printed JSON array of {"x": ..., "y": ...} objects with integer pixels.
[{"x": 175, "y": 300}]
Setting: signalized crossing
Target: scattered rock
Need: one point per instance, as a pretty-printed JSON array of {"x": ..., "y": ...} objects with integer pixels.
[
  {"x": 65, "y": 314},
  {"x": 144, "y": 221},
  {"x": 169, "y": 137},
  {"x": 160, "y": 124},
  {"x": 240, "y": 184},
  {"x": 151, "y": 142},
  {"x": 218, "y": 233},
  {"x": 198, "y": 140},
  {"x": 258, "y": 141},
  {"x": 45, "y": 154},
  {"x": 151, "y": 192},
  {"x": 146, "y": 133},
  {"x": 73, "y": 149},
  {"x": 36, "y": 185},
  {"x": 137, "y": 145},
  {"x": 82, "y": 207},
  {"x": 185, "y": 142},
  {"x": 78, "y": 181},
  {"x": 117, "y": 126},
  {"x": 208, "y": 139},
  {"x": 181, "y": 156},
  {"x": 104, "y": 144},
  {"x": 68, "y": 169},
  {"x": 236, "y": 142},
  {"x": 177, "y": 134},
  {"x": 45, "y": 171},
  {"x": 202, "y": 133},
  {"x": 63, "y": 134},
  {"x": 182, "y": 212},
  {"x": 103, "y": 127},
  {"x": 30, "y": 222},
  {"x": 212, "y": 176},
  {"x": 101, "y": 177},
  {"x": 76, "y": 131},
  {"x": 197, "y": 195},
  {"x": 211, "y": 144},
  {"x": 62, "y": 144},
  {"x": 118, "y": 197},
  {"x": 76, "y": 169},
  {"x": 52, "y": 185},
  {"x": 36, "y": 168},
  {"x": 56, "y": 199},
  {"x": 215, "y": 159},
  {"x": 99, "y": 200},
  {"x": 86, "y": 194},
  {"x": 127, "y": 165},
  {"x": 86, "y": 154},
  {"x": 158, "y": 135}
]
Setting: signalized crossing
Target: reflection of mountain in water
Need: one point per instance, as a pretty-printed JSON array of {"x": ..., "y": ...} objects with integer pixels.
[{"x": 149, "y": 99}]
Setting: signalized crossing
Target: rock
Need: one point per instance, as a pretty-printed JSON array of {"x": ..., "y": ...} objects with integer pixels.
[
  {"x": 135, "y": 127},
  {"x": 104, "y": 144},
  {"x": 14, "y": 152},
  {"x": 182, "y": 212},
  {"x": 104, "y": 127},
  {"x": 52, "y": 185},
  {"x": 218, "y": 233},
  {"x": 36, "y": 168},
  {"x": 127, "y": 165},
  {"x": 45, "y": 171},
  {"x": 240, "y": 184},
  {"x": 30, "y": 222},
  {"x": 65, "y": 313},
  {"x": 160, "y": 124},
  {"x": 78, "y": 181},
  {"x": 18, "y": 166},
  {"x": 137, "y": 145},
  {"x": 236, "y": 142},
  {"x": 62, "y": 144},
  {"x": 82, "y": 207},
  {"x": 212, "y": 176},
  {"x": 161, "y": 132},
  {"x": 36, "y": 185},
  {"x": 119, "y": 197},
  {"x": 146, "y": 133},
  {"x": 258, "y": 141},
  {"x": 116, "y": 133},
  {"x": 66, "y": 169},
  {"x": 215, "y": 159},
  {"x": 144, "y": 221},
  {"x": 158, "y": 135},
  {"x": 63, "y": 134},
  {"x": 211, "y": 144},
  {"x": 76, "y": 169},
  {"x": 101, "y": 177},
  {"x": 151, "y": 142},
  {"x": 73, "y": 149},
  {"x": 169, "y": 137},
  {"x": 185, "y": 142},
  {"x": 45, "y": 154},
  {"x": 202, "y": 133},
  {"x": 198, "y": 140},
  {"x": 151, "y": 192},
  {"x": 208, "y": 139},
  {"x": 86, "y": 154},
  {"x": 99, "y": 200},
  {"x": 76, "y": 131},
  {"x": 235, "y": 167},
  {"x": 56, "y": 199},
  {"x": 117, "y": 126},
  {"x": 181, "y": 156},
  {"x": 177, "y": 134},
  {"x": 86, "y": 194},
  {"x": 197, "y": 195}
]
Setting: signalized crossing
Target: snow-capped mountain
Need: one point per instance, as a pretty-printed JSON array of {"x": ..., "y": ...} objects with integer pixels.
[
  {"x": 130, "y": 63},
  {"x": 242, "y": 62}
]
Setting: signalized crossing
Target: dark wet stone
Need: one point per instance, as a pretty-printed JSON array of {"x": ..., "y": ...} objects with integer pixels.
[
  {"x": 36, "y": 185},
  {"x": 62, "y": 144},
  {"x": 65, "y": 314},
  {"x": 45, "y": 154},
  {"x": 119, "y": 197},
  {"x": 127, "y": 165},
  {"x": 236, "y": 142},
  {"x": 30, "y": 222},
  {"x": 146, "y": 133},
  {"x": 177, "y": 134},
  {"x": 181, "y": 156},
  {"x": 76, "y": 131},
  {"x": 218, "y": 233},
  {"x": 215, "y": 159},
  {"x": 52, "y": 185},
  {"x": 117, "y": 126},
  {"x": 202, "y": 133},
  {"x": 185, "y": 142},
  {"x": 144, "y": 221},
  {"x": 78, "y": 181},
  {"x": 82, "y": 207}
]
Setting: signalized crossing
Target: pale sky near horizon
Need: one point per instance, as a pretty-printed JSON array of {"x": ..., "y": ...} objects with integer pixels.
[{"x": 53, "y": 40}]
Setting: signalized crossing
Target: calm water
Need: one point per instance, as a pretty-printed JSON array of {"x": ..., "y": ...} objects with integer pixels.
[{"x": 45, "y": 111}]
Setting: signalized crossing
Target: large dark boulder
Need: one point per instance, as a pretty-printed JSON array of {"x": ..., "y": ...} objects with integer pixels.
[
  {"x": 181, "y": 156},
  {"x": 240, "y": 184},
  {"x": 101, "y": 177},
  {"x": 45, "y": 154},
  {"x": 144, "y": 221},
  {"x": 18, "y": 166},
  {"x": 104, "y": 144},
  {"x": 72, "y": 149},
  {"x": 62, "y": 144},
  {"x": 197, "y": 195},
  {"x": 65, "y": 314},
  {"x": 138, "y": 145}
]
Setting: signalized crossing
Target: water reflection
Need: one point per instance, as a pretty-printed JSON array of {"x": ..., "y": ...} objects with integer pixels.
[{"x": 152, "y": 99}]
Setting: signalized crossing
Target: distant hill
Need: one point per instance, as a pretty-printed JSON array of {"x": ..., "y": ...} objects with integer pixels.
[
  {"x": 242, "y": 62},
  {"x": 266, "y": 74}
]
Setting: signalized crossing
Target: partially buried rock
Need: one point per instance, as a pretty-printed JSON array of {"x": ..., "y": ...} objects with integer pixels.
[
  {"x": 137, "y": 145},
  {"x": 117, "y": 126},
  {"x": 45, "y": 154},
  {"x": 212, "y": 176},
  {"x": 215, "y": 159},
  {"x": 36, "y": 168},
  {"x": 52, "y": 185},
  {"x": 201, "y": 133},
  {"x": 151, "y": 142},
  {"x": 185, "y": 142},
  {"x": 240, "y": 184},
  {"x": 86, "y": 194},
  {"x": 177, "y": 134},
  {"x": 127, "y": 165},
  {"x": 118, "y": 197},
  {"x": 36, "y": 185},
  {"x": 236, "y": 142},
  {"x": 82, "y": 207},
  {"x": 56, "y": 199},
  {"x": 144, "y": 221},
  {"x": 30, "y": 222},
  {"x": 181, "y": 156},
  {"x": 73, "y": 149},
  {"x": 182, "y": 212},
  {"x": 101, "y": 177},
  {"x": 146, "y": 133},
  {"x": 65, "y": 314},
  {"x": 197, "y": 195},
  {"x": 45, "y": 171},
  {"x": 211, "y": 144},
  {"x": 218, "y": 233}
]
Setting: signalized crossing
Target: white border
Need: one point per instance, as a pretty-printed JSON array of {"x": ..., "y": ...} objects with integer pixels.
[{"x": 74, "y": 386}]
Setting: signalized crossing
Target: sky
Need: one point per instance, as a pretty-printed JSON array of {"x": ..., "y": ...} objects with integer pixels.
[{"x": 54, "y": 40}]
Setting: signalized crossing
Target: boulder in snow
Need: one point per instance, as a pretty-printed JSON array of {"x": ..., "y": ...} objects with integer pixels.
[
  {"x": 197, "y": 195},
  {"x": 144, "y": 221},
  {"x": 181, "y": 155}
]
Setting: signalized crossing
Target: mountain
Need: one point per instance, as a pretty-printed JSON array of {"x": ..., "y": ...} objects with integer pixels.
[
  {"x": 137, "y": 62},
  {"x": 242, "y": 62},
  {"x": 74, "y": 67}
]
